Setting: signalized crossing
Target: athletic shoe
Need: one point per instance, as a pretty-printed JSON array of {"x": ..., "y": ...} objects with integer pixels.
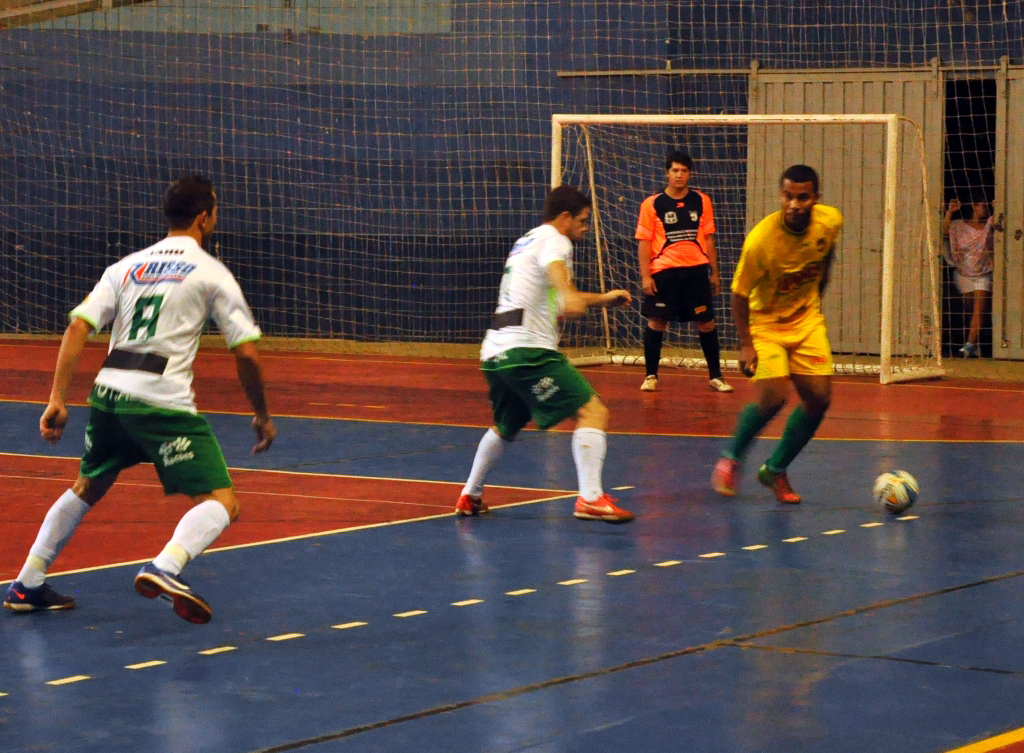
[
  {"x": 23, "y": 599},
  {"x": 650, "y": 383},
  {"x": 970, "y": 350},
  {"x": 723, "y": 478},
  {"x": 778, "y": 483},
  {"x": 468, "y": 505},
  {"x": 719, "y": 385},
  {"x": 152, "y": 582},
  {"x": 603, "y": 508}
]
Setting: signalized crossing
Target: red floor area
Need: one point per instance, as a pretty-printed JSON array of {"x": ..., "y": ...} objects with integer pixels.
[
  {"x": 135, "y": 520},
  {"x": 452, "y": 392}
]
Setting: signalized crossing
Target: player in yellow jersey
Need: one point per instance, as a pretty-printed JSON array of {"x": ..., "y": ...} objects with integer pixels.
[{"x": 776, "y": 304}]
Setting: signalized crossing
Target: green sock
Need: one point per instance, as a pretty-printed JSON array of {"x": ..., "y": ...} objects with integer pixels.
[
  {"x": 749, "y": 423},
  {"x": 799, "y": 429}
]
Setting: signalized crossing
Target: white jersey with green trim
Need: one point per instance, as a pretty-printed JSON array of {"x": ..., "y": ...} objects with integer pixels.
[
  {"x": 158, "y": 301},
  {"x": 525, "y": 287}
]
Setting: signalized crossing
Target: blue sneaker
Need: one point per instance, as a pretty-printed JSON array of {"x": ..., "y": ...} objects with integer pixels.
[
  {"x": 23, "y": 599},
  {"x": 970, "y": 350},
  {"x": 152, "y": 582}
]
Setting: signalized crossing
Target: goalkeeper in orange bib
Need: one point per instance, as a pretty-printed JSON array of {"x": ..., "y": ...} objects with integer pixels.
[{"x": 776, "y": 302}]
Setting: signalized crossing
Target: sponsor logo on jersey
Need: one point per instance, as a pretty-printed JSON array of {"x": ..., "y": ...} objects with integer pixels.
[
  {"x": 153, "y": 272},
  {"x": 789, "y": 282}
]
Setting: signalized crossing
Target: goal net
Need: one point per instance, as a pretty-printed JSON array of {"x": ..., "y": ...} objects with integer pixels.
[{"x": 882, "y": 301}]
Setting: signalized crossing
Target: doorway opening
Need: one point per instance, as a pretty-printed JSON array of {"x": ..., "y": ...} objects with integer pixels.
[{"x": 969, "y": 176}]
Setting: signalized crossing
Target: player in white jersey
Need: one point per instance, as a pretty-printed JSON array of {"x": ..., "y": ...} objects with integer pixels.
[
  {"x": 142, "y": 406},
  {"x": 526, "y": 375}
]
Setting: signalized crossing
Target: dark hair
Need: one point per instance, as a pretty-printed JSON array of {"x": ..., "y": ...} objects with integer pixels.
[
  {"x": 564, "y": 199},
  {"x": 800, "y": 174},
  {"x": 681, "y": 157},
  {"x": 977, "y": 196},
  {"x": 187, "y": 198}
]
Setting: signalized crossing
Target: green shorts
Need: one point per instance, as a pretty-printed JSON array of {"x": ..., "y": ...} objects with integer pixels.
[
  {"x": 123, "y": 431},
  {"x": 533, "y": 383}
]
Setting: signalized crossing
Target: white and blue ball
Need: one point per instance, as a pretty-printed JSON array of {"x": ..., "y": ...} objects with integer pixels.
[{"x": 896, "y": 491}]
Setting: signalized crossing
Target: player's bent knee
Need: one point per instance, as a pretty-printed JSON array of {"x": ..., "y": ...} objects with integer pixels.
[
  {"x": 593, "y": 414},
  {"x": 226, "y": 497},
  {"x": 817, "y": 406},
  {"x": 91, "y": 490},
  {"x": 706, "y": 326}
]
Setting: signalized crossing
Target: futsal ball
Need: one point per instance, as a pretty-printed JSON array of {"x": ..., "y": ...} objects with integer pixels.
[{"x": 896, "y": 490}]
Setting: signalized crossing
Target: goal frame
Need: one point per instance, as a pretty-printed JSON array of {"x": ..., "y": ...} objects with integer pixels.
[{"x": 891, "y": 123}]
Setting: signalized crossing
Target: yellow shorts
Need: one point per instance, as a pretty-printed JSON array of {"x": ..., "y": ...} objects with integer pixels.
[{"x": 799, "y": 347}]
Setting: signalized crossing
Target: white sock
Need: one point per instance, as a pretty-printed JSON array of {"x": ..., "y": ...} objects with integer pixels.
[
  {"x": 197, "y": 529},
  {"x": 588, "y": 449},
  {"x": 491, "y": 448},
  {"x": 60, "y": 522}
]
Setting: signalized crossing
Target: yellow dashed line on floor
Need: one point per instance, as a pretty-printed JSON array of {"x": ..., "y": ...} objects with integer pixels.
[
  {"x": 145, "y": 664},
  {"x": 468, "y": 602}
]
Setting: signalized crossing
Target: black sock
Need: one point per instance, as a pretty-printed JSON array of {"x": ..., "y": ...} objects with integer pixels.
[
  {"x": 652, "y": 349},
  {"x": 712, "y": 353}
]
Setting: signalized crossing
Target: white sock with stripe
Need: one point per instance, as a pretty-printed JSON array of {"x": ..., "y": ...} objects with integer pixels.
[
  {"x": 588, "y": 450},
  {"x": 197, "y": 529},
  {"x": 60, "y": 522}
]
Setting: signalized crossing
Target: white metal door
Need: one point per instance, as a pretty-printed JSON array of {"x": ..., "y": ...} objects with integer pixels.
[
  {"x": 1008, "y": 282},
  {"x": 850, "y": 161}
]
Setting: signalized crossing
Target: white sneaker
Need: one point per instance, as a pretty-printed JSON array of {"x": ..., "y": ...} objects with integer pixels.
[
  {"x": 719, "y": 385},
  {"x": 650, "y": 383}
]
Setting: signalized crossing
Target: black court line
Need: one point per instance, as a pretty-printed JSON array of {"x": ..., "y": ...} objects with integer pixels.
[
  {"x": 880, "y": 657},
  {"x": 737, "y": 642}
]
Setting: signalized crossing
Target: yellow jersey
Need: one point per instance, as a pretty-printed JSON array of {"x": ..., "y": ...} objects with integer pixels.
[{"x": 780, "y": 271}]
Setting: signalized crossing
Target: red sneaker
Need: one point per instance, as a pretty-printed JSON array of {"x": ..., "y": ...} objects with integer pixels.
[
  {"x": 468, "y": 505},
  {"x": 602, "y": 508},
  {"x": 723, "y": 478},
  {"x": 778, "y": 483}
]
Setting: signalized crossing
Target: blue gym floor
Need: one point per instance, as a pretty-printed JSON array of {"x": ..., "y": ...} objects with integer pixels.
[{"x": 708, "y": 624}]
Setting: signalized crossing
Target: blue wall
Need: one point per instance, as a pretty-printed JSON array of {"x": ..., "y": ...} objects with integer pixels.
[{"x": 379, "y": 175}]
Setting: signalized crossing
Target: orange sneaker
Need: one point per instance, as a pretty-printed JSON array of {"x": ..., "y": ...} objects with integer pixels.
[
  {"x": 468, "y": 505},
  {"x": 723, "y": 478},
  {"x": 602, "y": 508},
  {"x": 778, "y": 483}
]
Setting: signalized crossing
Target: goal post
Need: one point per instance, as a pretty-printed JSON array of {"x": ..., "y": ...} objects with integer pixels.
[{"x": 882, "y": 304}]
